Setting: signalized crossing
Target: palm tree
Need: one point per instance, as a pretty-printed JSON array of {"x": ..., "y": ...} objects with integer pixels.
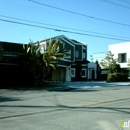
[
  {"x": 40, "y": 64},
  {"x": 32, "y": 62},
  {"x": 53, "y": 53}
]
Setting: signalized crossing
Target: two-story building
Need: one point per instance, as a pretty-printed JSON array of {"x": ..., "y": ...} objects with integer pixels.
[{"x": 75, "y": 67}]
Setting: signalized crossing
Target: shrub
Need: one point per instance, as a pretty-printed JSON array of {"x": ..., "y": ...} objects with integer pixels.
[
  {"x": 116, "y": 77},
  {"x": 124, "y": 76}
]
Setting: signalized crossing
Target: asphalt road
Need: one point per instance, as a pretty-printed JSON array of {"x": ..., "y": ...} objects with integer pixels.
[{"x": 97, "y": 108}]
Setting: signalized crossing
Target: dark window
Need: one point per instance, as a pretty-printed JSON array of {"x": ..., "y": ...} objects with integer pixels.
[
  {"x": 72, "y": 72},
  {"x": 122, "y": 58},
  {"x": 83, "y": 72}
]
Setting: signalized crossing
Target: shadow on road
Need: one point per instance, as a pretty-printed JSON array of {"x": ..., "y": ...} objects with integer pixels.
[
  {"x": 6, "y": 99},
  {"x": 67, "y": 86},
  {"x": 122, "y": 110},
  {"x": 59, "y": 106}
]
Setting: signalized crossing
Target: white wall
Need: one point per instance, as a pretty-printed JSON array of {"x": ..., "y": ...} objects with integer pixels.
[
  {"x": 121, "y": 48},
  {"x": 68, "y": 73},
  {"x": 92, "y": 66}
]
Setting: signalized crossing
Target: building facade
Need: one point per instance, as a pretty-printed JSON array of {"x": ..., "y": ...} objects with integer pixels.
[
  {"x": 121, "y": 51},
  {"x": 75, "y": 67},
  {"x": 9, "y": 69}
]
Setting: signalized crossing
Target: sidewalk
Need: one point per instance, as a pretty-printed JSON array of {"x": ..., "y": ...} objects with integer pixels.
[
  {"x": 67, "y": 86},
  {"x": 90, "y": 84}
]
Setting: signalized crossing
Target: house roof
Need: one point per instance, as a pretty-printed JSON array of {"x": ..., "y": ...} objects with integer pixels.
[
  {"x": 11, "y": 47},
  {"x": 83, "y": 62},
  {"x": 71, "y": 41},
  {"x": 77, "y": 42}
]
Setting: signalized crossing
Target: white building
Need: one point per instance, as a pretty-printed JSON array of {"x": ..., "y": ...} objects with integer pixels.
[{"x": 122, "y": 52}]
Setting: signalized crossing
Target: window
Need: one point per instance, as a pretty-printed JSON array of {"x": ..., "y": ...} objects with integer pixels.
[
  {"x": 9, "y": 54},
  {"x": 42, "y": 50},
  {"x": 83, "y": 72},
  {"x": 58, "y": 49},
  {"x": 43, "y": 45},
  {"x": 76, "y": 54},
  {"x": 83, "y": 55},
  {"x": 122, "y": 58},
  {"x": 63, "y": 45},
  {"x": 69, "y": 52},
  {"x": 72, "y": 72}
]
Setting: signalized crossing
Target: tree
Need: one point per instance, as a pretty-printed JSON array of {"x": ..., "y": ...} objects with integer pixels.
[
  {"x": 53, "y": 53},
  {"x": 31, "y": 63},
  {"x": 1, "y": 52},
  {"x": 110, "y": 63},
  {"x": 39, "y": 64},
  {"x": 98, "y": 69}
]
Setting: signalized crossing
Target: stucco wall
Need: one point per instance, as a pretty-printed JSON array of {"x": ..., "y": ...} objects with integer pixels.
[
  {"x": 121, "y": 48},
  {"x": 56, "y": 75},
  {"x": 92, "y": 68},
  {"x": 59, "y": 74}
]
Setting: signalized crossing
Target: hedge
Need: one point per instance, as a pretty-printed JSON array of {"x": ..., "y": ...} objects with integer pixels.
[{"x": 116, "y": 77}]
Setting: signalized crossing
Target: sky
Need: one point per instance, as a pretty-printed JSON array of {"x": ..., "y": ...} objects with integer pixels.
[{"x": 102, "y": 22}]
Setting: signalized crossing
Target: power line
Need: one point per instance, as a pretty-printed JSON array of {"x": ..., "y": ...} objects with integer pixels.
[
  {"x": 111, "y": 2},
  {"x": 84, "y": 15},
  {"x": 60, "y": 26},
  {"x": 26, "y": 24},
  {"x": 32, "y": 25}
]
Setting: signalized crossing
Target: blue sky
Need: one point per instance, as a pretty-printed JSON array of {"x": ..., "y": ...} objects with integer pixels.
[{"x": 102, "y": 9}]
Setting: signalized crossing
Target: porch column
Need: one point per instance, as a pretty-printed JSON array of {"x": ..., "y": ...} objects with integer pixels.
[{"x": 68, "y": 75}]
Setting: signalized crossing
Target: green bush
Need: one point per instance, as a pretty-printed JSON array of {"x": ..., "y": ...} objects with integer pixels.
[
  {"x": 116, "y": 77},
  {"x": 125, "y": 77}
]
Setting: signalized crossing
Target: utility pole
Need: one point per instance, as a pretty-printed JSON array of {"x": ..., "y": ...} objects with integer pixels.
[{"x": 91, "y": 58}]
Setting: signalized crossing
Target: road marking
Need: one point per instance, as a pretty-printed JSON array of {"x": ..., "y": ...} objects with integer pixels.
[
  {"x": 102, "y": 102},
  {"x": 61, "y": 108},
  {"x": 96, "y": 103}
]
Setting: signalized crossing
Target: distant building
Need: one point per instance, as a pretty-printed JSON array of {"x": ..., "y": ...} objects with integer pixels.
[{"x": 122, "y": 52}]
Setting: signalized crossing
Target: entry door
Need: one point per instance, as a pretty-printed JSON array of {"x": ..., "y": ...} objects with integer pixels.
[
  {"x": 93, "y": 74},
  {"x": 63, "y": 74}
]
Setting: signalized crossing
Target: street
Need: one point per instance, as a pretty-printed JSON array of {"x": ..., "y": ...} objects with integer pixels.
[{"x": 84, "y": 108}]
